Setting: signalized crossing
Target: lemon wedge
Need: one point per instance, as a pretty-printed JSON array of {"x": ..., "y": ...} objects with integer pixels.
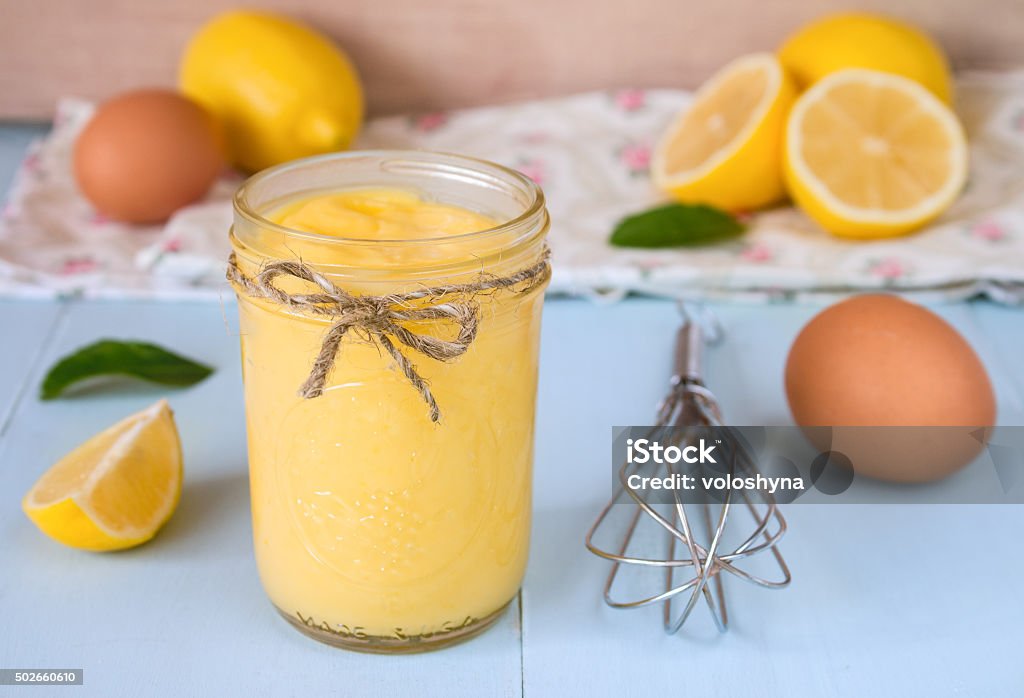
[
  {"x": 870, "y": 154},
  {"x": 726, "y": 148},
  {"x": 117, "y": 489}
]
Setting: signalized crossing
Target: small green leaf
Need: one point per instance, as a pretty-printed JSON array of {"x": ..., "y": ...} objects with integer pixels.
[
  {"x": 112, "y": 357},
  {"x": 676, "y": 225}
]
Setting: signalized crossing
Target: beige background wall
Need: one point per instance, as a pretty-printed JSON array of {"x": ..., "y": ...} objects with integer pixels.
[{"x": 425, "y": 54}]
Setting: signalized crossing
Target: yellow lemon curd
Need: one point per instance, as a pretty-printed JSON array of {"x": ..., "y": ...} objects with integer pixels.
[{"x": 373, "y": 524}]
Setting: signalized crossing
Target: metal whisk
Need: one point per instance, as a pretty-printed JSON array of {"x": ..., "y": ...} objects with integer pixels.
[{"x": 696, "y": 572}]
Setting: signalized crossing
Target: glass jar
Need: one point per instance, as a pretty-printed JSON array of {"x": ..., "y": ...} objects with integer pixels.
[{"x": 376, "y": 528}]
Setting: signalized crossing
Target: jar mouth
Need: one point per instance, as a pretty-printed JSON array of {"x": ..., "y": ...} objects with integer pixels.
[{"x": 461, "y": 168}]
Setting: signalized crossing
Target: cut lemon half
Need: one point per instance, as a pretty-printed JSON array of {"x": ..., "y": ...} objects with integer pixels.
[
  {"x": 725, "y": 149},
  {"x": 117, "y": 489},
  {"x": 870, "y": 154}
]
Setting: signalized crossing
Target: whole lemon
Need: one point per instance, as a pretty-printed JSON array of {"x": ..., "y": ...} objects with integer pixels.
[
  {"x": 282, "y": 90},
  {"x": 859, "y": 40}
]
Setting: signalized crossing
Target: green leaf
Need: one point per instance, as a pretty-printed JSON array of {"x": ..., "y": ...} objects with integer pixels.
[
  {"x": 112, "y": 357},
  {"x": 676, "y": 225}
]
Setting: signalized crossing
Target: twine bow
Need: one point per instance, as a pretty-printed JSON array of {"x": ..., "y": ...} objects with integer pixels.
[{"x": 381, "y": 318}]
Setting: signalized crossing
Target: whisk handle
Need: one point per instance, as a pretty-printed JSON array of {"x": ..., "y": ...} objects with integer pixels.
[{"x": 689, "y": 343}]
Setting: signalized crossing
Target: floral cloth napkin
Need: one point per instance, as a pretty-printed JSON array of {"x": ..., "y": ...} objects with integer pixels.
[{"x": 590, "y": 153}]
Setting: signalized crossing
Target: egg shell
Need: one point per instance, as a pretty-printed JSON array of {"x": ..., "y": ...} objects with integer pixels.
[
  {"x": 147, "y": 153},
  {"x": 880, "y": 361}
]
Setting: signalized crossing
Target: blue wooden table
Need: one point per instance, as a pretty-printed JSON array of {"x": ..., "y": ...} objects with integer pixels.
[{"x": 886, "y": 600}]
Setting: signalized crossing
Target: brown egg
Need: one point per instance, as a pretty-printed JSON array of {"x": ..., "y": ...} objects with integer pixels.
[
  {"x": 147, "y": 153},
  {"x": 880, "y": 361}
]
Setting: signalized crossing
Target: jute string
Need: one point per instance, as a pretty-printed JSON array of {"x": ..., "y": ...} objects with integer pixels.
[{"x": 381, "y": 317}]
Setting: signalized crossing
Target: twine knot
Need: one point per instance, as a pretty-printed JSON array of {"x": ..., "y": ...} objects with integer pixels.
[
  {"x": 371, "y": 313},
  {"x": 382, "y": 319}
]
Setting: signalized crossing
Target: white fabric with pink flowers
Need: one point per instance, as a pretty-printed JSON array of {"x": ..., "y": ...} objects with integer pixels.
[{"x": 590, "y": 153}]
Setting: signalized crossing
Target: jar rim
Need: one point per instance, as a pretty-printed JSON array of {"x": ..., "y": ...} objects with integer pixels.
[{"x": 533, "y": 211}]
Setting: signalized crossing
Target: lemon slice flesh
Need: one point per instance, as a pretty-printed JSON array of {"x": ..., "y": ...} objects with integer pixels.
[
  {"x": 870, "y": 154},
  {"x": 725, "y": 149},
  {"x": 117, "y": 489}
]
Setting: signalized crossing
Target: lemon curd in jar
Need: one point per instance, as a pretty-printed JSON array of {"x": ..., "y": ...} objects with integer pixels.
[{"x": 376, "y": 528}]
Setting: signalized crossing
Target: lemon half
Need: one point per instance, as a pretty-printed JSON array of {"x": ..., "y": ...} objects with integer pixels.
[
  {"x": 117, "y": 489},
  {"x": 871, "y": 154},
  {"x": 726, "y": 148}
]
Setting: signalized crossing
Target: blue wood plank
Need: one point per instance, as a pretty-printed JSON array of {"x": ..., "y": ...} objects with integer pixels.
[
  {"x": 875, "y": 601},
  {"x": 882, "y": 601},
  {"x": 999, "y": 339},
  {"x": 31, "y": 326},
  {"x": 184, "y": 614}
]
